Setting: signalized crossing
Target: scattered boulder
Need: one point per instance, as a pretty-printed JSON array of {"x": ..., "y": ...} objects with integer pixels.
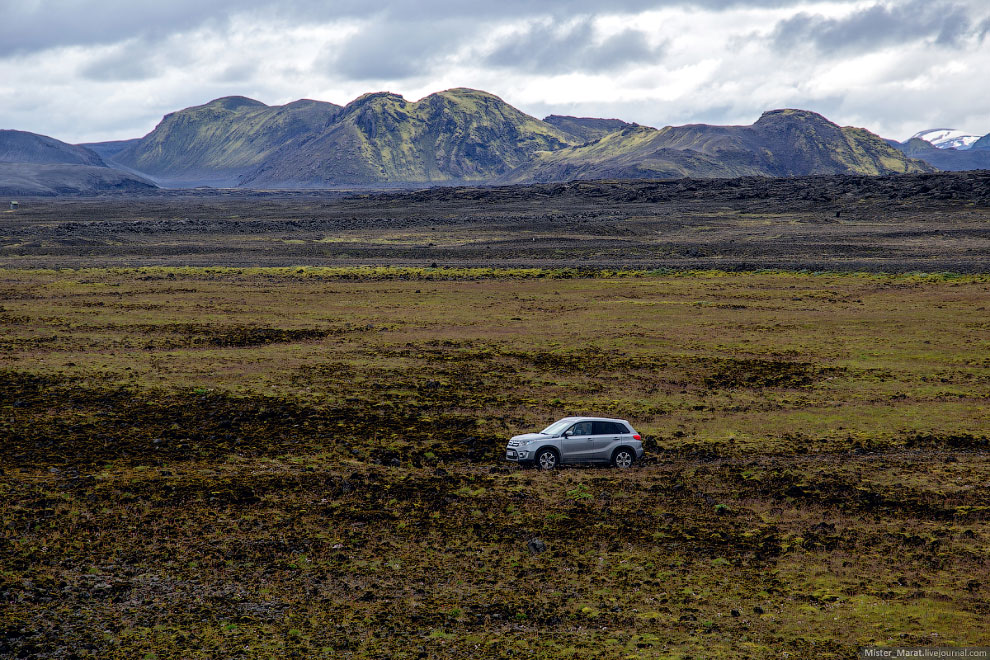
[{"x": 536, "y": 545}]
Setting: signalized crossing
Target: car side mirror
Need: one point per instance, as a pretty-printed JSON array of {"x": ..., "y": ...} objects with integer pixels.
[{"x": 566, "y": 434}]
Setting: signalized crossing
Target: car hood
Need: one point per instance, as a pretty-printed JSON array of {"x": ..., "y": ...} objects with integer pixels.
[{"x": 525, "y": 437}]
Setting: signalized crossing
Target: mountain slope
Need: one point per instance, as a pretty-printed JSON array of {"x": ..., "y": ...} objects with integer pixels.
[
  {"x": 633, "y": 153},
  {"x": 463, "y": 135},
  {"x": 588, "y": 129},
  {"x": 107, "y": 150},
  {"x": 457, "y": 135},
  {"x": 780, "y": 143},
  {"x": 66, "y": 178},
  {"x": 24, "y": 147},
  {"x": 217, "y": 142},
  {"x": 977, "y": 157},
  {"x": 32, "y": 164}
]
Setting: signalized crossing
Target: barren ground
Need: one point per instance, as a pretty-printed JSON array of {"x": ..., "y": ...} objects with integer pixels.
[{"x": 928, "y": 223}]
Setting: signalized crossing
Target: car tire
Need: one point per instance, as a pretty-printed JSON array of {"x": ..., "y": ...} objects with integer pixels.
[
  {"x": 546, "y": 459},
  {"x": 623, "y": 458}
]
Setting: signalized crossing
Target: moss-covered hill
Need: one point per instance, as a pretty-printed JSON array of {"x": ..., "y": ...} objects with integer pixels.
[
  {"x": 217, "y": 142},
  {"x": 465, "y": 135},
  {"x": 456, "y": 135},
  {"x": 781, "y": 143}
]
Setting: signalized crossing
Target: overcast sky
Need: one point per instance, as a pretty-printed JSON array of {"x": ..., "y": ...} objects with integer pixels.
[{"x": 88, "y": 70}]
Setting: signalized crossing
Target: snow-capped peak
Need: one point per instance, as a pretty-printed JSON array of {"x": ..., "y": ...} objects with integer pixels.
[{"x": 947, "y": 138}]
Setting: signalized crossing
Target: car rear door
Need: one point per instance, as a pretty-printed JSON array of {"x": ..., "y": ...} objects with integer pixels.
[
  {"x": 606, "y": 436},
  {"x": 579, "y": 444}
]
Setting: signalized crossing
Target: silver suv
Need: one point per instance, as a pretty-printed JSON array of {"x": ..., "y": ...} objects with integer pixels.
[{"x": 578, "y": 440}]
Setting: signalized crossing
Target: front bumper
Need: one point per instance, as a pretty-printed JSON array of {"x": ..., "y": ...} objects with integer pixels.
[{"x": 518, "y": 455}]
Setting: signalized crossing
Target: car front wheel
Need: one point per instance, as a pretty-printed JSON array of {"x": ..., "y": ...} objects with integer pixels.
[
  {"x": 623, "y": 458},
  {"x": 546, "y": 459}
]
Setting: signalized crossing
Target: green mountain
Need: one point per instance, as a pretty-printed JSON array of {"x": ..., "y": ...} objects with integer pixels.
[
  {"x": 803, "y": 142},
  {"x": 588, "y": 129},
  {"x": 633, "y": 153},
  {"x": 459, "y": 135},
  {"x": 780, "y": 143},
  {"x": 465, "y": 135},
  {"x": 218, "y": 142},
  {"x": 24, "y": 147}
]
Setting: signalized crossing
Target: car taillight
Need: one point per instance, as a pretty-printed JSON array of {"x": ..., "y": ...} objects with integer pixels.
[{"x": 636, "y": 437}]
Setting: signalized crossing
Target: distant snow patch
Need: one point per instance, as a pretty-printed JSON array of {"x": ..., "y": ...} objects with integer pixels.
[{"x": 947, "y": 138}]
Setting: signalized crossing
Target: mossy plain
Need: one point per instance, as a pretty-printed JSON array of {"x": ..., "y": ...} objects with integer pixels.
[{"x": 306, "y": 462}]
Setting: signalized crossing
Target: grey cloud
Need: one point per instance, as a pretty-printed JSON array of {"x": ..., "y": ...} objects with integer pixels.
[
  {"x": 235, "y": 73},
  {"x": 391, "y": 50},
  {"x": 36, "y": 26},
  {"x": 720, "y": 115},
  {"x": 955, "y": 27},
  {"x": 877, "y": 26},
  {"x": 983, "y": 29},
  {"x": 127, "y": 62},
  {"x": 548, "y": 49},
  {"x": 516, "y": 9},
  {"x": 43, "y": 24},
  {"x": 626, "y": 47}
]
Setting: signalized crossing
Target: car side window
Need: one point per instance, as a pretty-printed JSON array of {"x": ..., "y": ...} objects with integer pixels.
[
  {"x": 581, "y": 428},
  {"x": 620, "y": 428},
  {"x": 604, "y": 428}
]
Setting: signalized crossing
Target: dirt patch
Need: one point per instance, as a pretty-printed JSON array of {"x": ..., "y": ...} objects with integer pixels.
[
  {"x": 104, "y": 423},
  {"x": 754, "y": 373},
  {"x": 195, "y": 334}
]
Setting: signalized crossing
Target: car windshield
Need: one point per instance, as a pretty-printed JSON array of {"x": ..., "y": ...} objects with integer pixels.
[{"x": 557, "y": 427}]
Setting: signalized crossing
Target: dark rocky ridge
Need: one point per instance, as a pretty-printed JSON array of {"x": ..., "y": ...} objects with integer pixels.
[
  {"x": 588, "y": 128},
  {"x": 923, "y": 222}
]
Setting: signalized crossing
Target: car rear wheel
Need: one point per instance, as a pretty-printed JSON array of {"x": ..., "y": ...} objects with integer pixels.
[
  {"x": 623, "y": 458},
  {"x": 546, "y": 459}
]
